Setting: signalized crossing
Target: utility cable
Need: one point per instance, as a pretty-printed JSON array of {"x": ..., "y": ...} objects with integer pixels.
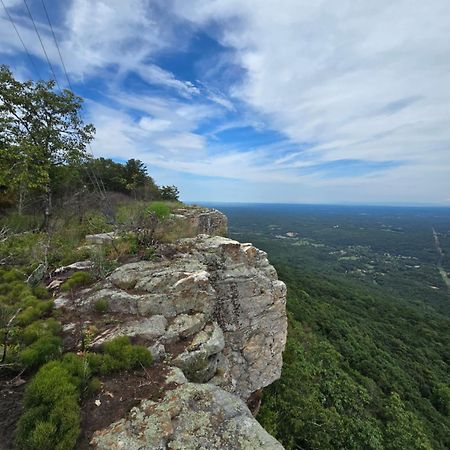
[
  {"x": 21, "y": 40},
  {"x": 57, "y": 46},
  {"x": 42, "y": 45}
]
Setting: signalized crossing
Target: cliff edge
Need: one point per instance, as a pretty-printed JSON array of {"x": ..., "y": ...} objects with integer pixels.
[{"x": 212, "y": 312}]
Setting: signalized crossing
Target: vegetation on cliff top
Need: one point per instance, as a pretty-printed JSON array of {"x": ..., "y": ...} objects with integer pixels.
[{"x": 53, "y": 194}]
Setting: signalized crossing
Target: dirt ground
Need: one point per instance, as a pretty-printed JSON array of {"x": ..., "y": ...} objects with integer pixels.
[
  {"x": 11, "y": 396},
  {"x": 119, "y": 393}
]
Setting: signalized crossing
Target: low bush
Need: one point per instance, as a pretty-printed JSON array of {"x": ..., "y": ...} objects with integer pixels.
[
  {"x": 40, "y": 328},
  {"x": 76, "y": 280},
  {"x": 94, "y": 386},
  {"x": 29, "y": 333},
  {"x": 41, "y": 293},
  {"x": 41, "y": 351},
  {"x": 101, "y": 306},
  {"x": 51, "y": 418},
  {"x": 160, "y": 209},
  {"x": 120, "y": 354}
]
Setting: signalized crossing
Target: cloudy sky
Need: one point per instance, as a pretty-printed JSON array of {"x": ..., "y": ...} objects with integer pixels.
[{"x": 297, "y": 101}]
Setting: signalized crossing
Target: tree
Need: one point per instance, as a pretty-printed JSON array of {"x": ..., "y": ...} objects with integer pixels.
[
  {"x": 169, "y": 193},
  {"x": 40, "y": 130}
]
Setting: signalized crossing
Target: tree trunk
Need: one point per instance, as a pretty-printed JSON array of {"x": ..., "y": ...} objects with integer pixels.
[
  {"x": 47, "y": 208},
  {"x": 22, "y": 193}
]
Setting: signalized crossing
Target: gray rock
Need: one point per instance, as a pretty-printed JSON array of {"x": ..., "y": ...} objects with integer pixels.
[
  {"x": 200, "y": 360},
  {"x": 157, "y": 351},
  {"x": 191, "y": 416},
  {"x": 150, "y": 328},
  {"x": 184, "y": 326},
  {"x": 200, "y": 220},
  {"x": 208, "y": 279},
  {"x": 79, "y": 265},
  {"x": 101, "y": 238}
]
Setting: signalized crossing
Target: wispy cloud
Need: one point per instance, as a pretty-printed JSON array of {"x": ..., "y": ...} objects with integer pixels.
[{"x": 333, "y": 101}]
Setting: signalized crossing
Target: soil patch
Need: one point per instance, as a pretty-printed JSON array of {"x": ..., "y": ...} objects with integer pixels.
[
  {"x": 120, "y": 392},
  {"x": 11, "y": 397}
]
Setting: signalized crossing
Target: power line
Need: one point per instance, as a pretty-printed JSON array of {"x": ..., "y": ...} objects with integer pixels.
[
  {"x": 57, "y": 46},
  {"x": 21, "y": 40},
  {"x": 42, "y": 45},
  {"x": 92, "y": 176}
]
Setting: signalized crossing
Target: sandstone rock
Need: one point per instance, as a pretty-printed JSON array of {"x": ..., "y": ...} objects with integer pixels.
[
  {"x": 191, "y": 416},
  {"x": 184, "y": 326}
]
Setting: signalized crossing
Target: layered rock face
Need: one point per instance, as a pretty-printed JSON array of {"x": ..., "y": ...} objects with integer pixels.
[{"x": 212, "y": 308}]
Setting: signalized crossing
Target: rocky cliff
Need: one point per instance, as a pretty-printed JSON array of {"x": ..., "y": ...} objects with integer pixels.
[{"x": 212, "y": 312}]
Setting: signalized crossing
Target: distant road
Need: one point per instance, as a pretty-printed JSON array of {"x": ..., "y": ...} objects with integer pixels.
[{"x": 440, "y": 258}]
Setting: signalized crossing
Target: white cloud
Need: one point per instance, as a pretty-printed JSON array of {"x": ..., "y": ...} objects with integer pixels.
[
  {"x": 359, "y": 80},
  {"x": 341, "y": 80}
]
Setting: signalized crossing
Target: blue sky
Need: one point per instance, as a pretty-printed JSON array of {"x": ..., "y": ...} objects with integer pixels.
[{"x": 277, "y": 101}]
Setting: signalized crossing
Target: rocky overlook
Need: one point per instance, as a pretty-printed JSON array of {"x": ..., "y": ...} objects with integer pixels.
[{"x": 212, "y": 312}]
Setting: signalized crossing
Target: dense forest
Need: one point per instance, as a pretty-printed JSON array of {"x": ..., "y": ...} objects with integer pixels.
[{"x": 368, "y": 353}]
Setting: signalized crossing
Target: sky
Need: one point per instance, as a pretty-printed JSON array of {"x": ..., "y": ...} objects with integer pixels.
[{"x": 286, "y": 101}]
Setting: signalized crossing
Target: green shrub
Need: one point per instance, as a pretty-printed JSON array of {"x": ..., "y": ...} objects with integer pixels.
[
  {"x": 41, "y": 351},
  {"x": 101, "y": 305},
  {"x": 8, "y": 276},
  {"x": 120, "y": 354},
  {"x": 39, "y": 328},
  {"x": 34, "y": 310},
  {"x": 51, "y": 418},
  {"x": 41, "y": 292},
  {"x": 78, "y": 368},
  {"x": 77, "y": 279},
  {"x": 96, "y": 222},
  {"x": 94, "y": 386},
  {"x": 94, "y": 361},
  {"x": 159, "y": 209},
  {"x": 20, "y": 223}
]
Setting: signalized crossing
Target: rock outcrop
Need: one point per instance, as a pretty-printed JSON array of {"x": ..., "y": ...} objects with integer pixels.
[
  {"x": 189, "y": 417},
  {"x": 203, "y": 220},
  {"x": 210, "y": 307}
]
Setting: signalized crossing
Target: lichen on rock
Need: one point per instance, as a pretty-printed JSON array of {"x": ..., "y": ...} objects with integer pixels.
[{"x": 213, "y": 308}]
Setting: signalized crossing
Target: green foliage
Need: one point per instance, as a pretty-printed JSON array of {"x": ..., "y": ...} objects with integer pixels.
[
  {"x": 101, "y": 305},
  {"x": 441, "y": 398},
  {"x": 19, "y": 223},
  {"x": 52, "y": 415},
  {"x": 40, "y": 328},
  {"x": 120, "y": 354},
  {"x": 44, "y": 349},
  {"x": 130, "y": 178},
  {"x": 95, "y": 222},
  {"x": 41, "y": 129},
  {"x": 169, "y": 193},
  {"x": 366, "y": 363},
  {"x": 94, "y": 386},
  {"x": 28, "y": 334},
  {"x": 76, "y": 280},
  {"x": 159, "y": 209}
]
